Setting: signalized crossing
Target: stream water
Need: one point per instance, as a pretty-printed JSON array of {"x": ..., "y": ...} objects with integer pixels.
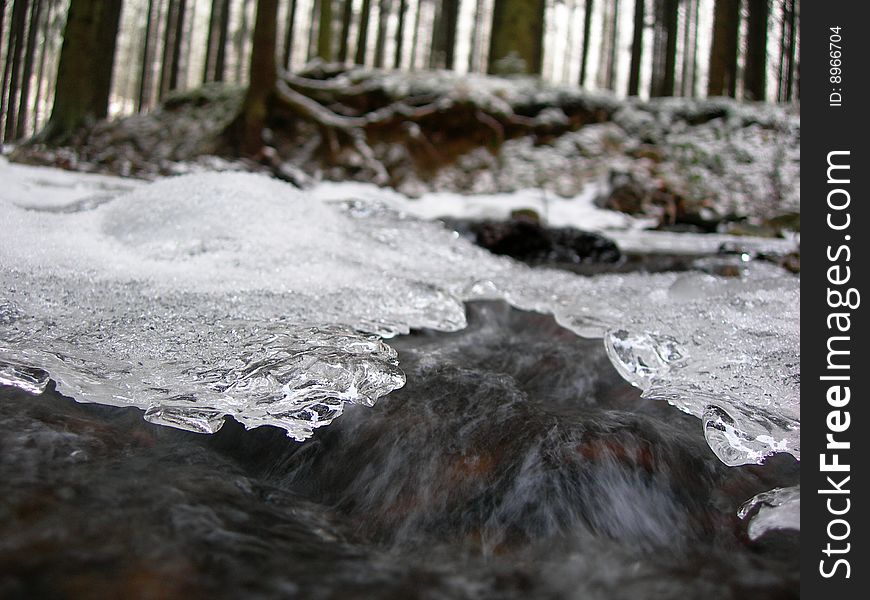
[{"x": 515, "y": 463}]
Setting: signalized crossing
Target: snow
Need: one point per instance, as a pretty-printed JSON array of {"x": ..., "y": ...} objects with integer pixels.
[{"x": 217, "y": 294}]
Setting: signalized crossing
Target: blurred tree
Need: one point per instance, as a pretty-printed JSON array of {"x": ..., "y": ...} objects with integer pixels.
[
  {"x": 587, "y": 35},
  {"x": 288, "y": 37},
  {"x": 11, "y": 73},
  {"x": 324, "y": 31},
  {"x": 636, "y": 49},
  {"x": 216, "y": 42},
  {"x": 244, "y": 134},
  {"x": 27, "y": 70},
  {"x": 344, "y": 40},
  {"x": 665, "y": 48},
  {"x": 84, "y": 74},
  {"x": 384, "y": 8},
  {"x": 722, "y": 79},
  {"x": 444, "y": 35},
  {"x": 517, "y": 40},
  {"x": 400, "y": 33},
  {"x": 754, "y": 72},
  {"x": 363, "y": 36},
  {"x": 145, "y": 63},
  {"x": 789, "y": 35}
]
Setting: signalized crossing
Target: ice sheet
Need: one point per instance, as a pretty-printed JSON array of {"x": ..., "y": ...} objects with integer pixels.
[{"x": 232, "y": 294}]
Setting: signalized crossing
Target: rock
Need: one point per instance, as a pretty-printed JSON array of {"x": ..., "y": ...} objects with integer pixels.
[{"x": 524, "y": 238}]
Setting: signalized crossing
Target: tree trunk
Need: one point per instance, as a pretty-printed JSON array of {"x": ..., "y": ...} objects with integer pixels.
[
  {"x": 685, "y": 76},
  {"x": 789, "y": 73},
  {"x": 5, "y": 72},
  {"x": 636, "y": 49},
  {"x": 220, "y": 61},
  {"x": 213, "y": 19},
  {"x": 381, "y": 41},
  {"x": 145, "y": 70},
  {"x": 84, "y": 76},
  {"x": 168, "y": 44},
  {"x": 517, "y": 33},
  {"x": 40, "y": 72},
  {"x": 27, "y": 72},
  {"x": 754, "y": 74},
  {"x": 244, "y": 135},
  {"x": 400, "y": 34},
  {"x": 587, "y": 33},
  {"x": 671, "y": 30},
  {"x": 415, "y": 37},
  {"x": 610, "y": 79},
  {"x": 723, "y": 53},
  {"x": 344, "y": 41},
  {"x": 176, "y": 45},
  {"x": 13, "y": 54},
  {"x": 241, "y": 41},
  {"x": 444, "y": 35},
  {"x": 363, "y": 37},
  {"x": 288, "y": 36},
  {"x": 324, "y": 31},
  {"x": 475, "y": 36}
]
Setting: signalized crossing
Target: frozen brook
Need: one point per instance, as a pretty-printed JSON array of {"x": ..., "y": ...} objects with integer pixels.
[{"x": 210, "y": 295}]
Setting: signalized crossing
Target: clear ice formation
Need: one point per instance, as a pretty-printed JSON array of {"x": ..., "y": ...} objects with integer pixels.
[
  {"x": 779, "y": 508},
  {"x": 208, "y": 295}
]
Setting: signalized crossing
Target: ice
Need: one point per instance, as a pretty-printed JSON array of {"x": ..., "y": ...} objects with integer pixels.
[
  {"x": 208, "y": 295},
  {"x": 779, "y": 508}
]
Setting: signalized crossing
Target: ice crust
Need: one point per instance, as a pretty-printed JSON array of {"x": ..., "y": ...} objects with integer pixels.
[
  {"x": 208, "y": 295},
  {"x": 779, "y": 508}
]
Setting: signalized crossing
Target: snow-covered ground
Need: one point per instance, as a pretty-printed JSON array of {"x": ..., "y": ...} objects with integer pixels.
[{"x": 208, "y": 295}]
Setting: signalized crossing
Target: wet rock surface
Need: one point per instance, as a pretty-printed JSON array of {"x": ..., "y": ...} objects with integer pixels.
[
  {"x": 524, "y": 238},
  {"x": 516, "y": 463}
]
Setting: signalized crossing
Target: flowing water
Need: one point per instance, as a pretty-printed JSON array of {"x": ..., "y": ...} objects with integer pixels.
[
  {"x": 360, "y": 405},
  {"x": 515, "y": 463}
]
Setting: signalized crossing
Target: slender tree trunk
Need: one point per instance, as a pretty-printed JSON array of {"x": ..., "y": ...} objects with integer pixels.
[
  {"x": 415, "y": 38},
  {"x": 636, "y": 49},
  {"x": 381, "y": 41},
  {"x": 400, "y": 34},
  {"x": 687, "y": 40},
  {"x": 176, "y": 45},
  {"x": 168, "y": 44},
  {"x": 3, "y": 84},
  {"x": 213, "y": 20},
  {"x": 84, "y": 75},
  {"x": 723, "y": 53},
  {"x": 789, "y": 73},
  {"x": 40, "y": 72},
  {"x": 363, "y": 37},
  {"x": 610, "y": 83},
  {"x": 475, "y": 36},
  {"x": 145, "y": 65},
  {"x": 444, "y": 42},
  {"x": 14, "y": 52},
  {"x": 517, "y": 32},
  {"x": 346, "y": 20},
  {"x": 220, "y": 61},
  {"x": 245, "y": 133},
  {"x": 671, "y": 30},
  {"x": 288, "y": 37},
  {"x": 693, "y": 87},
  {"x": 241, "y": 41},
  {"x": 587, "y": 33},
  {"x": 754, "y": 74},
  {"x": 27, "y": 71},
  {"x": 324, "y": 31}
]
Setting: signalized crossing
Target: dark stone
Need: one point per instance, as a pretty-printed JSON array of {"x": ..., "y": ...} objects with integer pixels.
[{"x": 524, "y": 238}]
